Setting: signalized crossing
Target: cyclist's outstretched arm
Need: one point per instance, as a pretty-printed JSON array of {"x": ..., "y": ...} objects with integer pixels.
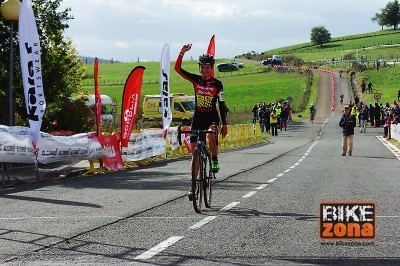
[{"x": 222, "y": 112}]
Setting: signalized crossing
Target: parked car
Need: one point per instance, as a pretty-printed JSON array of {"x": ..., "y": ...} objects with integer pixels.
[
  {"x": 226, "y": 67},
  {"x": 239, "y": 65},
  {"x": 267, "y": 62}
]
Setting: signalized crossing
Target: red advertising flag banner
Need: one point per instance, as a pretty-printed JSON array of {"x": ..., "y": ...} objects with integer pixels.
[
  {"x": 211, "y": 46},
  {"x": 97, "y": 95},
  {"x": 113, "y": 159},
  {"x": 211, "y": 50},
  {"x": 130, "y": 103}
]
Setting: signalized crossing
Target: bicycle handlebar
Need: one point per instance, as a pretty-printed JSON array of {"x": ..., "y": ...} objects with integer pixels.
[{"x": 195, "y": 132}]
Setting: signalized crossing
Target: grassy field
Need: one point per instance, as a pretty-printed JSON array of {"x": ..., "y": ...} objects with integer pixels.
[
  {"x": 256, "y": 83},
  {"x": 243, "y": 89},
  {"x": 385, "y": 81}
]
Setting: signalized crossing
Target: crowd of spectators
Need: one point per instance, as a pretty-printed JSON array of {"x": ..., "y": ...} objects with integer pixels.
[
  {"x": 377, "y": 115},
  {"x": 272, "y": 116}
]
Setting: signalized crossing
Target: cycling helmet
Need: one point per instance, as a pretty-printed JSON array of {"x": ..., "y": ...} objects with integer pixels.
[
  {"x": 312, "y": 104},
  {"x": 206, "y": 59}
]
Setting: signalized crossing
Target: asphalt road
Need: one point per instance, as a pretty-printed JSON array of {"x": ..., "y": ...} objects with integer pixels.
[{"x": 265, "y": 206}]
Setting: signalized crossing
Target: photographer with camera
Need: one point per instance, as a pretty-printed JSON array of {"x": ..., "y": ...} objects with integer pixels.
[{"x": 347, "y": 123}]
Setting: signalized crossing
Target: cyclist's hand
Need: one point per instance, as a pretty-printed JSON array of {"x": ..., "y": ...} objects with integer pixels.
[
  {"x": 186, "y": 48},
  {"x": 224, "y": 131}
]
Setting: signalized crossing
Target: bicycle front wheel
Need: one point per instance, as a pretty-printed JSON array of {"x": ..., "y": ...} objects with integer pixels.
[
  {"x": 197, "y": 180},
  {"x": 208, "y": 182}
]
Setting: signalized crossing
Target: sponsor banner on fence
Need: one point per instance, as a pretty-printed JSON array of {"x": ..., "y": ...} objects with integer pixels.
[
  {"x": 112, "y": 159},
  {"x": 16, "y": 146},
  {"x": 143, "y": 145}
]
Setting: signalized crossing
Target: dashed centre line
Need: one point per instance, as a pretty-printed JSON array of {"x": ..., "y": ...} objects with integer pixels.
[
  {"x": 250, "y": 194},
  {"x": 203, "y": 222},
  {"x": 230, "y": 206},
  {"x": 172, "y": 240},
  {"x": 272, "y": 180},
  {"x": 157, "y": 249},
  {"x": 262, "y": 186}
]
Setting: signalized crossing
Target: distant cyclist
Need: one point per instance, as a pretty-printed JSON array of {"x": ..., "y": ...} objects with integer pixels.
[
  {"x": 312, "y": 111},
  {"x": 341, "y": 98},
  {"x": 208, "y": 93},
  {"x": 340, "y": 73}
]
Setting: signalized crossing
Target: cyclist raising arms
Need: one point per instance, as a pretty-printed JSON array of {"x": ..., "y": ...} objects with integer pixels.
[{"x": 208, "y": 92}]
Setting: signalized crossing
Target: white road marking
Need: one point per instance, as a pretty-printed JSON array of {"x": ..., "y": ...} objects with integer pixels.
[
  {"x": 303, "y": 157},
  {"x": 293, "y": 166},
  {"x": 262, "y": 186},
  {"x": 157, "y": 249},
  {"x": 390, "y": 146},
  {"x": 278, "y": 175},
  {"x": 287, "y": 170},
  {"x": 230, "y": 206},
  {"x": 248, "y": 195},
  {"x": 272, "y": 180},
  {"x": 300, "y": 160},
  {"x": 203, "y": 222},
  {"x": 296, "y": 164},
  {"x": 307, "y": 153}
]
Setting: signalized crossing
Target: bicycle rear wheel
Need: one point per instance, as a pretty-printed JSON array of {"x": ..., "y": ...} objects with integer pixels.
[
  {"x": 197, "y": 180},
  {"x": 208, "y": 182}
]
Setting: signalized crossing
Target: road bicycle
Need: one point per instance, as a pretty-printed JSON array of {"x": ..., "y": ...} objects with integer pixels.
[
  {"x": 312, "y": 116},
  {"x": 202, "y": 176}
]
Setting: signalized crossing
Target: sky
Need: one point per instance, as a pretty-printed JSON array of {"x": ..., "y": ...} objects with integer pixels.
[{"x": 128, "y": 30}]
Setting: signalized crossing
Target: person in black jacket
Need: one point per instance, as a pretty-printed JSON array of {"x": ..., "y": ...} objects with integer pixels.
[
  {"x": 364, "y": 118},
  {"x": 371, "y": 114},
  {"x": 347, "y": 123}
]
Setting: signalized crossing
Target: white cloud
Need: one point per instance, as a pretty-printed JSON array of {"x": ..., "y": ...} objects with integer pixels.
[{"x": 123, "y": 29}]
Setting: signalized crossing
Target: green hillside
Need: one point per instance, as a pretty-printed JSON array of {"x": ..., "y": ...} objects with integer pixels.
[{"x": 257, "y": 83}]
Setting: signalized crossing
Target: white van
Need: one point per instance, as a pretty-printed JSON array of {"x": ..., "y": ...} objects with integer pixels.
[
  {"x": 277, "y": 59},
  {"x": 106, "y": 104}
]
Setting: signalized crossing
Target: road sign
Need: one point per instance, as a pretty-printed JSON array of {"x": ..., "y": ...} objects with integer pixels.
[
  {"x": 377, "y": 96},
  {"x": 289, "y": 99}
]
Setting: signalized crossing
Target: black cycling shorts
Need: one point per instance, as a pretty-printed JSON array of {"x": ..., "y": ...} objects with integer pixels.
[{"x": 203, "y": 122}]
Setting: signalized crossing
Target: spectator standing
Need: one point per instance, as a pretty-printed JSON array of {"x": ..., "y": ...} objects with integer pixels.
[
  {"x": 284, "y": 117},
  {"x": 370, "y": 87},
  {"x": 278, "y": 110},
  {"x": 356, "y": 100},
  {"x": 371, "y": 110},
  {"x": 255, "y": 110},
  {"x": 267, "y": 119},
  {"x": 362, "y": 87},
  {"x": 398, "y": 96},
  {"x": 377, "y": 115},
  {"x": 274, "y": 123},
  {"x": 347, "y": 123},
  {"x": 364, "y": 118}
]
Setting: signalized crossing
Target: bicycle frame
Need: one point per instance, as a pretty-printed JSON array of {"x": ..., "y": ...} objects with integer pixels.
[{"x": 201, "y": 175}]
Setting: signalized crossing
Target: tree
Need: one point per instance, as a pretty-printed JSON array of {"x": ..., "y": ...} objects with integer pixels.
[
  {"x": 62, "y": 69},
  {"x": 389, "y": 16},
  {"x": 378, "y": 19},
  {"x": 320, "y": 35}
]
